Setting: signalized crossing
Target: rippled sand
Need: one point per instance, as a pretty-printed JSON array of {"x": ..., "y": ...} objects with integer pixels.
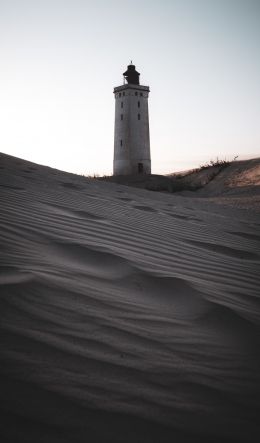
[{"x": 126, "y": 315}]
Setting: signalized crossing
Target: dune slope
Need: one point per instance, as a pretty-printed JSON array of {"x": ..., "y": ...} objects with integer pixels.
[{"x": 125, "y": 315}]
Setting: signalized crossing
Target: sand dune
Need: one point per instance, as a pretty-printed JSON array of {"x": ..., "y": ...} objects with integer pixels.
[{"x": 126, "y": 315}]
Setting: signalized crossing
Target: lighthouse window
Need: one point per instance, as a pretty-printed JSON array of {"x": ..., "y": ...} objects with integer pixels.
[
  {"x": 121, "y": 116},
  {"x": 121, "y": 142},
  {"x": 140, "y": 168},
  {"x": 141, "y": 94},
  {"x": 138, "y": 104},
  {"x": 122, "y": 104},
  {"x": 139, "y": 116}
]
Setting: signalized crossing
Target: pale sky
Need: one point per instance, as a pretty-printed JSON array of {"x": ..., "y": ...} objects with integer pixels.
[{"x": 61, "y": 59}]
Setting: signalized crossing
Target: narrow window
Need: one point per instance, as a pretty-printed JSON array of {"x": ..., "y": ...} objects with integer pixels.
[
  {"x": 138, "y": 104},
  {"x": 122, "y": 104},
  {"x": 135, "y": 92},
  {"x": 139, "y": 116},
  {"x": 119, "y": 94},
  {"x": 121, "y": 116},
  {"x": 140, "y": 168},
  {"x": 121, "y": 142},
  {"x": 123, "y": 93},
  {"x": 141, "y": 94}
]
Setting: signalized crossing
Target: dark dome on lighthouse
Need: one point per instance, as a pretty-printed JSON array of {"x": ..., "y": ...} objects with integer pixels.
[{"x": 131, "y": 75}]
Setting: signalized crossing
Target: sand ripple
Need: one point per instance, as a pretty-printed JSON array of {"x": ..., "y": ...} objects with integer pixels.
[{"x": 125, "y": 319}]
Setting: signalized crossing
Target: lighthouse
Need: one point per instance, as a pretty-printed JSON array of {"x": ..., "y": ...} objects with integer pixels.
[{"x": 132, "y": 139}]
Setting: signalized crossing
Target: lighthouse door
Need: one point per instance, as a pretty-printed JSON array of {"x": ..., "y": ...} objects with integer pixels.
[{"x": 140, "y": 168}]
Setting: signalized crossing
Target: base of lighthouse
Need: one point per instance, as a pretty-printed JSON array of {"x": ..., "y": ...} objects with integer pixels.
[
  {"x": 137, "y": 166},
  {"x": 131, "y": 139}
]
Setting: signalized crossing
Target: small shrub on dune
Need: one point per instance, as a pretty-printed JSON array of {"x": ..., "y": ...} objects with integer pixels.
[{"x": 218, "y": 162}]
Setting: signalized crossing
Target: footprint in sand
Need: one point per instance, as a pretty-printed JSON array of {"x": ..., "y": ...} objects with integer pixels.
[
  {"x": 125, "y": 199},
  {"x": 28, "y": 171},
  {"x": 144, "y": 208},
  {"x": 184, "y": 217},
  {"x": 181, "y": 217},
  {"x": 70, "y": 185}
]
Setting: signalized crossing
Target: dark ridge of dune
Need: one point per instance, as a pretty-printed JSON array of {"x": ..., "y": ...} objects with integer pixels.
[
  {"x": 225, "y": 250},
  {"x": 235, "y": 183},
  {"x": 126, "y": 315}
]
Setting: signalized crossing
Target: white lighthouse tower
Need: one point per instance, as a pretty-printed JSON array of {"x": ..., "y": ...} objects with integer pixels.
[{"x": 132, "y": 140}]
